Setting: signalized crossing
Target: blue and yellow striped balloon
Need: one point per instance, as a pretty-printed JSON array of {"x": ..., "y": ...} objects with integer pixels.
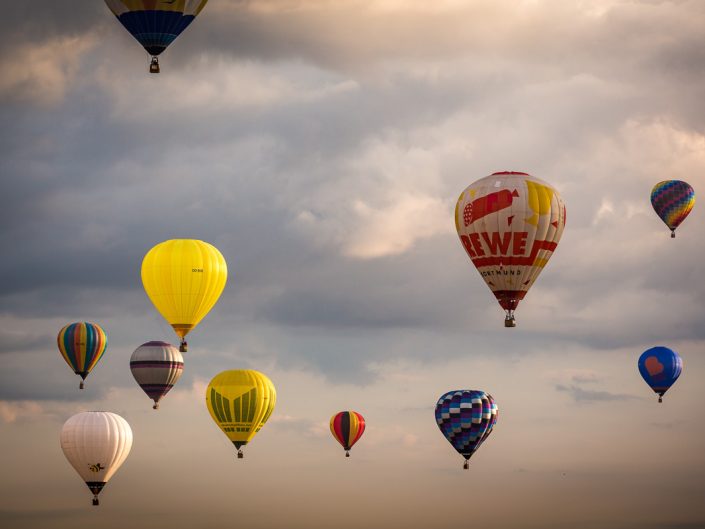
[
  {"x": 155, "y": 23},
  {"x": 82, "y": 345},
  {"x": 672, "y": 201}
]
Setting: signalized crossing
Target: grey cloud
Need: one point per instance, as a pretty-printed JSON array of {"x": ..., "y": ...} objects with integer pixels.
[
  {"x": 17, "y": 342},
  {"x": 41, "y": 384},
  {"x": 93, "y": 190},
  {"x": 585, "y": 395},
  {"x": 43, "y": 19}
]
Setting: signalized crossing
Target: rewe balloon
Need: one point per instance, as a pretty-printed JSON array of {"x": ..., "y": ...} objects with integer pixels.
[
  {"x": 82, "y": 346},
  {"x": 660, "y": 367},
  {"x": 347, "y": 427},
  {"x": 156, "y": 367},
  {"x": 672, "y": 201},
  {"x": 96, "y": 443},
  {"x": 184, "y": 279},
  {"x": 155, "y": 23},
  {"x": 509, "y": 224},
  {"x": 240, "y": 401},
  {"x": 466, "y": 418}
]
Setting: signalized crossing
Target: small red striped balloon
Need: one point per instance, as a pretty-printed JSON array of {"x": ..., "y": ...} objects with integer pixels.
[{"x": 347, "y": 427}]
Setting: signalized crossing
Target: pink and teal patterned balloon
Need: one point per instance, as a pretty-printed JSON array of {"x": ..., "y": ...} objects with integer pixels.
[
  {"x": 672, "y": 201},
  {"x": 466, "y": 418}
]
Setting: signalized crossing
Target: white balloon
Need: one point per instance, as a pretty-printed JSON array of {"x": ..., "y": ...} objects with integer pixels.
[{"x": 96, "y": 443}]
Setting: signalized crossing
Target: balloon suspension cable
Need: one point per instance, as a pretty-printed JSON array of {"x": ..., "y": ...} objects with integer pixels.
[
  {"x": 673, "y": 234},
  {"x": 81, "y": 385},
  {"x": 154, "y": 65},
  {"x": 347, "y": 453},
  {"x": 95, "y": 501},
  {"x": 466, "y": 465},
  {"x": 183, "y": 346},
  {"x": 509, "y": 320},
  {"x": 240, "y": 455}
]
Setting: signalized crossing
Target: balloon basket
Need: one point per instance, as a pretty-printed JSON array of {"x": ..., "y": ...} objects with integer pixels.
[
  {"x": 154, "y": 65},
  {"x": 95, "y": 502},
  {"x": 240, "y": 455},
  {"x": 81, "y": 385},
  {"x": 673, "y": 234},
  {"x": 466, "y": 465},
  {"x": 183, "y": 347},
  {"x": 660, "y": 398},
  {"x": 509, "y": 320},
  {"x": 156, "y": 406},
  {"x": 347, "y": 454}
]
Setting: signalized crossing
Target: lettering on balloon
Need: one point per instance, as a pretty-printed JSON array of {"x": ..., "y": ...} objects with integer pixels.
[
  {"x": 96, "y": 468},
  {"x": 495, "y": 243}
]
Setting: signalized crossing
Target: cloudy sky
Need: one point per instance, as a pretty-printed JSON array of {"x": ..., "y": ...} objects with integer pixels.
[{"x": 321, "y": 145}]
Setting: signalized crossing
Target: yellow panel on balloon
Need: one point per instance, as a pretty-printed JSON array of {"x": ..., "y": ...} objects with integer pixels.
[{"x": 240, "y": 401}]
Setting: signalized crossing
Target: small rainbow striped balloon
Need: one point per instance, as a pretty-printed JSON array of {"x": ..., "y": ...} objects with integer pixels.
[
  {"x": 672, "y": 201},
  {"x": 347, "y": 427},
  {"x": 82, "y": 345}
]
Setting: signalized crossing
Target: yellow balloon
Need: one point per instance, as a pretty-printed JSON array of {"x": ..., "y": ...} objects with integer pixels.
[
  {"x": 240, "y": 401},
  {"x": 184, "y": 279}
]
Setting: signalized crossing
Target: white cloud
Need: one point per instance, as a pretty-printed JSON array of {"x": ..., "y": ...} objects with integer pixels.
[
  {"x": 43, "y": 72},
  {"x": 213, "y": 86},
  {"x": 12, "y": 411}
]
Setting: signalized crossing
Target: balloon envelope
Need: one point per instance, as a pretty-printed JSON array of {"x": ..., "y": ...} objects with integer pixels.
[
  {"x": 184, "y": 279},
  {"x": 672, "y": 201},
  {"x": 466, "y": 418},
  {"x": 82, "y": 345},
  {"x": 96, "y": 443},
  {"x": 660, "y": 367},
  {"x": 156, "y": 367},
  {"x": 155, "y": 23},
  {"x": 509, "y": 224},
  {"x": 240, "y": 401},
  {"x": 347, "y": 427}
]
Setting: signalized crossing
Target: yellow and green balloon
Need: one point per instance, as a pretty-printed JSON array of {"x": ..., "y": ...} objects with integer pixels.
[{"x": 240, "y": 401}]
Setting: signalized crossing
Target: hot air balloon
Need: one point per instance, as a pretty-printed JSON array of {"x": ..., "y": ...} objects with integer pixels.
[
  {"x": 156, "y": 366},
  {"x": 660, "y": 367},
  {"x": 672, "y": 201},
  {"x": 184, "y": 278},
  {"x": 96, "y": 443},
  {"x": 240, "y": 401},
  {"x": 509, "y": 224},
  {"x": 466, "y": 418},
  {"x": 82, "y": 345},
  {"x": 155, "y": 23},
  {"x": 347, "y": 427}
]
